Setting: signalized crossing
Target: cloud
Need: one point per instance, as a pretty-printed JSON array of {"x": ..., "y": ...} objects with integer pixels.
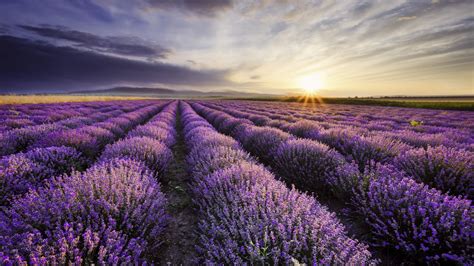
[
  {"x": 406, "y": 18},
  {"x": 362, "y": 7},
  {"x": 199, "y": 7},
  {"x": 93, "y": 9},
  {"x": 127, "y": 46},
  {"x": 28, "y": 64},
  {"x": 278, "y": 27},
  {"x": 280, "y": 40}
]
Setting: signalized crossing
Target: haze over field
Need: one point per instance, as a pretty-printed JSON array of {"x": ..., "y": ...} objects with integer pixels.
[{"x": 332, "y": 48}]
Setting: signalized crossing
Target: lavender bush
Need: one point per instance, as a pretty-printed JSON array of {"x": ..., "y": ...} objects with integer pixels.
[
  {"x": 447, "y": 169},
  {"x": 206, "y": 160},
  {"x": 415, "y": 233},
  {"x": 248, "y": 217},
  {"x": 86, "y": 143},
  {"x": 262, "y": 141},
  {"x": 151, "y": 131},
  {"x": 305, "y": 163},
  {"x": 19, "y": 139},
  {"x": 419, "y": 221},
  {"x": 257, "y": 220},
  {"x": 23, "y": 171},
  {"x": 152, "y": 152},
  {"x": 399, "y": 169},
  {"x": 111, "y": 214}
]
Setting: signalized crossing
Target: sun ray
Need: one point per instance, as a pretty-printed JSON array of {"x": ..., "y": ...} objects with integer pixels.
[{"x": 310, "y": 85}]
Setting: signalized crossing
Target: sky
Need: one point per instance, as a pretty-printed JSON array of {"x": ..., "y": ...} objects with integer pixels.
[{"x": 332, "y": 48}]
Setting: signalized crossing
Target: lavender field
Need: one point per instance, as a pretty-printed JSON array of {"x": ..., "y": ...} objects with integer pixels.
[{"x": 234, "y": 183}]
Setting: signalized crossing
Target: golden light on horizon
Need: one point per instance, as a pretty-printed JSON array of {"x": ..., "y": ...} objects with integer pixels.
[{"x": 311, "y": 84}]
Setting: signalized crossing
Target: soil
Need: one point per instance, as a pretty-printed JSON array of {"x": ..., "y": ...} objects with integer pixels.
[{"x": 180, "y": 237}]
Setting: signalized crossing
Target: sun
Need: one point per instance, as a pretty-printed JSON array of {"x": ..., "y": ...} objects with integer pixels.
[{"x": 311, "y": 84}]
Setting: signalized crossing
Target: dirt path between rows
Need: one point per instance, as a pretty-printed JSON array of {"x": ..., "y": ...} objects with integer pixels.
[{"x": 180, "y": 237}]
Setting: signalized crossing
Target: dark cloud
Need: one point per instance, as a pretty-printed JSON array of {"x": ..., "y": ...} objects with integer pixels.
[
  {"x": 93, "y": 9},
  {"x": 33, "y": 65},
  {"x": 128, "y": 46},
  {"x": 255, "y": 77},
  {"x": 362, "y": 7},
  {"x": 200, "y": 7}
]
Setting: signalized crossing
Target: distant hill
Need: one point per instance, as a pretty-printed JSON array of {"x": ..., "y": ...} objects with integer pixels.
[
  {"x": 164, "y": 92},
  {"x": 127, "y": 90}
]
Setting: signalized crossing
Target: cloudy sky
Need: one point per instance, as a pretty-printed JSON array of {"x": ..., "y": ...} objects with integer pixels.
[{"x": 342, "y": 48}]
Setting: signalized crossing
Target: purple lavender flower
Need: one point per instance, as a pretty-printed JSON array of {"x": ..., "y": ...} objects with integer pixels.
[
  {"x": 248, "y": 217},
  {"x": 80, "y": 140},
  {"x": 262, "y": 141},
  {"x": 113, "y": 213},
  {"x": 305, "y": 163},
  {"x": 252, "y": 218},
  {"x": 112, "y": 127},
  {"x": 206, "y": 160},
  {"x": 228, "y": 125},
  {"x": 23, "y": 171},
  {"x": 152, "y": 152},
  {"x": 157, "y": 133},
  {"x": 421, "y": 222},
  {"x": 20, "y": 139},
  {"x": 447, "y": 169}
]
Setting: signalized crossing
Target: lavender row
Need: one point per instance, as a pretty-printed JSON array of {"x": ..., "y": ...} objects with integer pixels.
[
  {"x": 91, "y": 139},
  {"x": 412, "y": 132},
  {"x": 113, "y": 213},
  {"x": 28, "y": 115},
  {"x": 47, "y": 113},
  {"x": 402, "y": 214},
  {"x": 20, "y": 139},
  {"x": 372, "y": 117},
  {"x": 447, "y": 169},
  {"x": 149, "y": 143},
  {"x": 62, "y": 152},
  {"x": 19, "y": 116},
  {"x": 248, "y": 217}
]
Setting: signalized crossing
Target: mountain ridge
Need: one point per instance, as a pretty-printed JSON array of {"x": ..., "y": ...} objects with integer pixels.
[{"x": 149, "y": 91}]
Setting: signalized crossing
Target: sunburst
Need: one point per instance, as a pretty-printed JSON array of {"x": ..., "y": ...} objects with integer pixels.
[{"x": 311, "y": 85}]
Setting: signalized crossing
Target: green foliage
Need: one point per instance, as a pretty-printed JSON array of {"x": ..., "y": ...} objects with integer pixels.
[
  {"x": 443, "y": 105},
  {"x": 415, "y": 123}
]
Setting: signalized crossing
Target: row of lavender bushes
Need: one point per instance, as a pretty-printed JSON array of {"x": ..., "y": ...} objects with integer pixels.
[
  {"x": 403, "y": 214},
  {"x": 18, "y": 116},
  {"x": 20, "y": 139},
  {"x": 418, "y": 130},
  {"x": 448, "y": 169},
  {"x": 62, "y": 152},
  {"x": 248, "y": 217},
  {"x": 113, "y": 213},
  {"x": 368, "y": 117}
]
